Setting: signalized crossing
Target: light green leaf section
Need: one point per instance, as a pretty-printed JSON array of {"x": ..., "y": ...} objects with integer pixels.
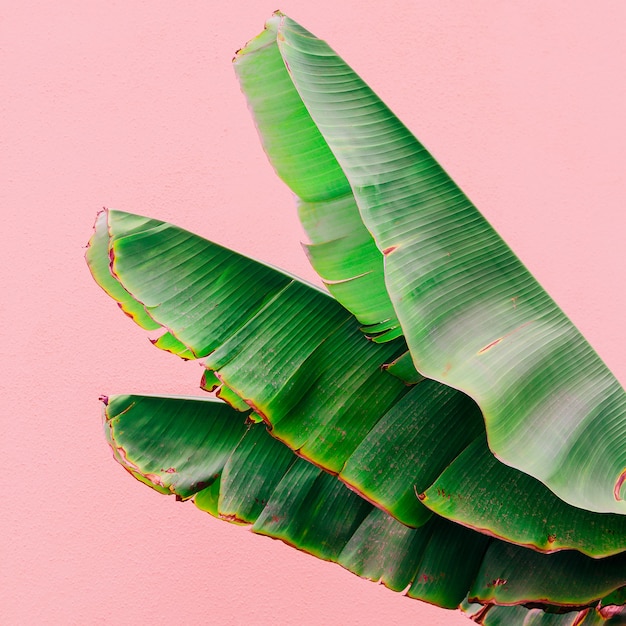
[
  {"x": 341, "y": 249},
  {"x": 473, "y": 316}
]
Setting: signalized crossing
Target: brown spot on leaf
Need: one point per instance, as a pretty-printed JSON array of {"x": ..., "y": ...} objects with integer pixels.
[
  {"x": 551, "y": 538},
  {"x": 170, "y": 470},
  {"x": 618, "y": 485},
  {"x": 479, "y": 617},
  {"x": 609, "y": 611},
  {"x": 389, "y": 250},
  {"x": 155, "y": 478},
  {"x": 580, "y": 618},
  {"x": 490, "y": 345},
  {"x": 499, "y": 339},
  {"x": 127, "y": 462},
  {"x": 232, "y": 518},
  {"x": 420, "y": 496}
]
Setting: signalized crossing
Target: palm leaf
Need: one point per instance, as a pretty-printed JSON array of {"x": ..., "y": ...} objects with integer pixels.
[{"x": 473, "y": 316}]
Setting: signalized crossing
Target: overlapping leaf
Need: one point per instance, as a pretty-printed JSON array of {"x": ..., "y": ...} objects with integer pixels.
[
  {"x": 400, "y": 247},
  {"x": 473, "y": 317},
  {"x": 238, "y": 472},
  {"x": 296, "y": 357},
  {"x": 494, "y": 615}
]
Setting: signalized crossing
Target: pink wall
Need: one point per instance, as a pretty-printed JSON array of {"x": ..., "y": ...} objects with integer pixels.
[{"x": 134, "y": 105}]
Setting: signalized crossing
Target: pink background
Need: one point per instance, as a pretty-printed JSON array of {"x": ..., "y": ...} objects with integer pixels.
[{"x": 134, "y": 105}]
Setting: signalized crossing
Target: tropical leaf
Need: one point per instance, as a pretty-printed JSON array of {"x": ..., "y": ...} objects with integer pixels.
[
  {"x": 473, "y": 316},
  {"x": 464, "y": 493},
  {"x": 241, "y": 474},
  {"x": 298, "y": 359},
  {"x": 517, "y": 615},
  {"x": 237, "y": 472},
  {"x": 401, "y": 248}
]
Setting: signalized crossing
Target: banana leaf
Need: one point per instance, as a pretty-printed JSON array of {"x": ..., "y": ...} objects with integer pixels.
[
  {"x": 380, "y": 214},
  {"x": 236, "y": 471},
  {"x": 495, "y": 615},
  {"x": 473, "y": 316},
  {"x": 295, "y": 357}
]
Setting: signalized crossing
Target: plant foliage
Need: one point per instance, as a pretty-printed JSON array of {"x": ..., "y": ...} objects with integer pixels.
[{"x": 433, "y": 423}]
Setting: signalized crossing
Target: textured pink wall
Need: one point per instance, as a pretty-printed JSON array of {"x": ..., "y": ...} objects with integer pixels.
[{"x": 134, "y": 105}]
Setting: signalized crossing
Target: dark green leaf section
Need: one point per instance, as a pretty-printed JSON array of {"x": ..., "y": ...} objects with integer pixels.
[
  {"x": 238, "y": 472},
  {"x": 416, "y": 439},
  {"x": 617, "y": 597},
  {"x": 170, "y": 271},
  {"x": 473, "y": 316},
  {"x": 254, "y": 470},
  {"x": 341, "y": 249},
  {"x": 325, "y": 395},
  {"x": 347, "y": 395},
  {"x": 477, "y": 490},
  {"x": 449, "y": 564},
  {"x": 165, "y": 439},
  {"x": 566, "y": 578},
  {"x": 383, "y": 550},
  {"x": 243, "y": 475},
  {"x": 312, "y": 511},
  {"x": 326, "y": 390}
]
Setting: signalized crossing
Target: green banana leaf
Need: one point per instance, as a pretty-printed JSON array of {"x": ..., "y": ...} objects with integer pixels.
[
  {"x": 494, "y": 615},
  {"x": 298, "y": 360},
  {"x": 401, "y": 248},
  {"x": 237, "y": 472},
  {"x": 473, "y": 316}
]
